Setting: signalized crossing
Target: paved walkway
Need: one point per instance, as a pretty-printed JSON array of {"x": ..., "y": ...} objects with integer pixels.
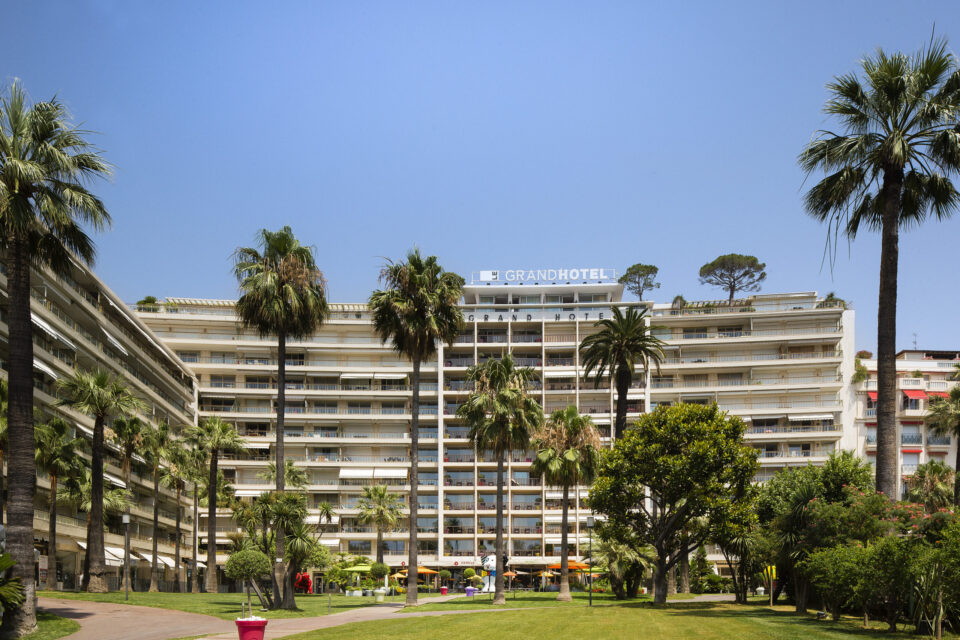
[{"x": 109, "y": 621}]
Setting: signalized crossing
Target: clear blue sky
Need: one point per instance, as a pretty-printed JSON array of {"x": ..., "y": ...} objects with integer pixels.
[{"x": 492, "y": 134}]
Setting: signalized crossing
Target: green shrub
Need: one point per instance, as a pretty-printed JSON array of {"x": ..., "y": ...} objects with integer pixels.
[
  {"x": 469, "y": 573},
  {"x": 247, "y": 564},
  {"x": 379, "y": 570}
]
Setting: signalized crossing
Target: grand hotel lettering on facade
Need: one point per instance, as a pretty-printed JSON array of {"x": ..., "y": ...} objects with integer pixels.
[{"x": 780, "y": 361}]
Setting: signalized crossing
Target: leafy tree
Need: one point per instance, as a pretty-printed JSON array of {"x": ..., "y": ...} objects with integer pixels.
[
  {"x": 567, "y": 447},
  {"x": 379, "y": 571},
  {"x": 212, "y": 437},
  {"x": 382, "y": 509},
  {"x": 639, "y": 278},
  {"x": 444, "y": 576},
  {"x": 932, "y": 485},
  {"x": 418, "y": 308},
  {"x": 943, "y": 416},
  {"x": 835, "y": 572},
  {"x": 98, "y": 394},
  {"x": 888, "y": 573},
  {"x": 247, "y": 564},
  {"x": 283, "y": 294},
  {"x": 622, "y": 343},
  {"x": 501, "y": 417},
  {"x": 57, "y": 454},
  {"x": 734, "y": 272},
  {"x": 678, "y": 464},
  {"x": 45, "y": 163},
  {"x": 744, "y": 545},
  {"x": 888, "y": 168}
]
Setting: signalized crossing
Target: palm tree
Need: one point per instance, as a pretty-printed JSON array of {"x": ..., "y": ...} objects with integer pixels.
[
  {"x": 288, "y": 511},
  {"x": 622, "y": 561},
  {"x": 932, "y": 485},
  {"x": 127, "y": 433},
  {"x": 889, "y": 168},
  {"x": 56, "y": 454},
  {"x": 382, "y": 509},
  {"x": 76, "y": 491},
  {"x": 283, "y": 294},
  {"x": 156, "y": 442},
  {"x": 213, "y": 436},
  {"x": 100, "y": 395},
  {"x": 501, "y": 417},
  {"x": 295, "y": 476},
  {"x": 418, "y": 308},
  {"x": 175, "y": 475},
  {"x": 623, "y": 342},
  {"x": 194, "y": 471},
  {"x": 44, "y": 163},
  {"x": 943, "y": 416},
  {"x": 3, "y": 438},
  {"x": 567, "y": 446}
]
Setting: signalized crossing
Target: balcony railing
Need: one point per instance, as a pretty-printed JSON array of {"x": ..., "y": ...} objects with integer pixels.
[
  {"x": 938, "y": 441},
  {"x": 749, "y": 357},
  {"x": 911, "y": 438}
]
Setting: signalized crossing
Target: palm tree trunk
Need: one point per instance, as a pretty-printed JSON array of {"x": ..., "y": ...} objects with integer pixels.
[
  {"x": 499, "y": 597},
  {"x": 22, "y": 479},
  {"x": 154, "y": 578},
  {"x": 194, "y": 551},
  {"x": 212, "y": 525},
  {"x": 956, "y": 475},
  {"x": 278, "y": 565},
  {"x": 624, "y": 376},
  {"x": 52, "y": 552},
  {"x": 126, "y": 546},
  {"x": 176, "y": 549},
  {"x": 2, "y": 476},
  {"x": 412, "y": 562},
  {"x": 887, "y": 445},
  {"x": 379, "y": 544},
  {"x": 97, "y": 560},
  {"x": 564, "y": 595}
]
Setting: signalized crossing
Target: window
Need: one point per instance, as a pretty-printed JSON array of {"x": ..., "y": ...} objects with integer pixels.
[
  {"x": 222, "y": 382},
  {"x": 189, "y": 356},
  {"x": 730, "y": 332},
  {"x": 359, "y": 547},
  {"x": 690, "y": 333}
]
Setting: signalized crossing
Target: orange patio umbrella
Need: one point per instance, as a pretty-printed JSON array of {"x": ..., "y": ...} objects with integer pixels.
[
  {"x": 511, "y": 574},
  {"x": 422, "y": 571},
  {"x": 573, "y": 565}
]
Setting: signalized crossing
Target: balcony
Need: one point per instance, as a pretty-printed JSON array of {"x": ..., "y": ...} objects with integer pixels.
[
  {"x": 559, "y": 362},
  {"x": 911, "y": 438},
  {"x": 938, "y": 441}
]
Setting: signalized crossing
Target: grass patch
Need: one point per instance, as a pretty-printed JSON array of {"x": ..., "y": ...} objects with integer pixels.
[
  {"x": 702, "y": 621},
  {"x": 52, "y": 627},
  {"x": 519, "y": 599},
  {"x": 225, "y": 606}
]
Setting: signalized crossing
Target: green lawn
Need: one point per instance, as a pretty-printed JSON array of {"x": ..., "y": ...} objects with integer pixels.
[
  {"x": 701, "y": 621},
  {"x": 220, "y": 605},
  {"x": 518, "y": 599},
  {"x": 52, "y": 627}
]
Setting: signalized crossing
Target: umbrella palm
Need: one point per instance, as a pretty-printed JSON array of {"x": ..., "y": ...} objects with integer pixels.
[
  {"x": 889, "y": 168},
  {"x": 943, "y": 416},
  {"x": 44, "y": 163},
  {"x": 213, "y": 436},
  {"x": 501, "y": 417},
  {"x": 57, "y": 455},
  {"x": 283, "y": 294},
  {"x": 418, "y": 308},
  {"x": 127, "y": 433},
  {"x": 623, "y": 342},
  {"x": 175, "y": 475},
  {"x": 98, "y": 394},
  {"x": 567, "y": 449},
  {"x": 932, "y": 485},
  {"x": 382, "y": 509},
  {"x": 156, "y": 441}
]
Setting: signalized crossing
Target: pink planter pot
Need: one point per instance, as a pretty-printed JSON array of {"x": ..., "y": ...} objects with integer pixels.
[{"x": 251, "y": 629}]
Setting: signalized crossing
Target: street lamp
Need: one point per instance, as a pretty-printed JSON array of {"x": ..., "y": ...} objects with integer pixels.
[
  {"x": 125, "y": 518},
  {"x": 590, "y": 522}
]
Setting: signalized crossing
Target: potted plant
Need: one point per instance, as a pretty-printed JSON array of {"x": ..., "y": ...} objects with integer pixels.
[{"x": 247, "y": 565}]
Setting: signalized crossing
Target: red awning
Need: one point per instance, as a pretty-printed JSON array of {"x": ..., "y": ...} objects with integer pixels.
[
  {"x": 872, "y": 395},
  {"x": 911, "y": 450},
  {"x": 915, "y": 394},
  {"x": 939, "y": 394}
]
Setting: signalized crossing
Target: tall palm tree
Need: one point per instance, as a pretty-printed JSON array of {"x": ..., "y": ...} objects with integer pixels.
[
  {"x": 501, "y": 417},
  {"x": 44, "y": 165},
  {"x": 127, "y": 434},
  {"x": 194, "y": 469},
  {"x": 289, "y": 510},
  {"x": 156, "y": 443},
  {"x": 76, "y": 491},
  {"x": 283, "y": 294},
  {"x": 295, "y": 476},
  {"x": 567, "y": 446},
  {"x": 889, "y": 168},
  {"x": 56, "y": 454},
  {"x": 622, "y": 343},
  {"x": 418, "y": 308},
  {"x": 943, "y": 416},
  {"x": 98, "y": 394},
  {"x": 382, "y": 509},
  {"x": 932, "y": 485},
  {"x": 176, "y": 473},
  {"x": 213, "y": 436}
]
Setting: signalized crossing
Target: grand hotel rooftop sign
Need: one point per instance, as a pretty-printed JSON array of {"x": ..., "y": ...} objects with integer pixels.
[{"x": 565, "y": 275}]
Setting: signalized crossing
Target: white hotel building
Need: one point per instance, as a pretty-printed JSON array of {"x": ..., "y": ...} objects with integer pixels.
[{"x": 782, "y": 362}]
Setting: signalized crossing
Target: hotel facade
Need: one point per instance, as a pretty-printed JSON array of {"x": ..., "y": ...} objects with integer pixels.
[
  {"x": 782, "y": 362},
  {"x": 79, "y": 323}
]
